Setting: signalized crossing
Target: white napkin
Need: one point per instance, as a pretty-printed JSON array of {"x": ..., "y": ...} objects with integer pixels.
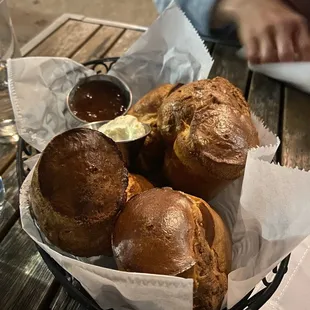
[{"x": 294, "y": 73}]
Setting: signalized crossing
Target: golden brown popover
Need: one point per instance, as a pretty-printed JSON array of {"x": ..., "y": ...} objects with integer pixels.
[{"x": 163, "y": 231}]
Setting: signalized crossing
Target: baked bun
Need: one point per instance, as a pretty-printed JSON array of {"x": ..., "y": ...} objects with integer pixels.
[
  {"x": 163, "y": 231},
  {"x": 137, "y": 184},
  {"x": 208, "y": 131},
  {"x": 152, "y": 153},
  {"x": 78, "y": 187}
]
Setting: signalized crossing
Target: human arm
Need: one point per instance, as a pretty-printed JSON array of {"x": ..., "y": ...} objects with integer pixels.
[{"x": 269, "y": 30}]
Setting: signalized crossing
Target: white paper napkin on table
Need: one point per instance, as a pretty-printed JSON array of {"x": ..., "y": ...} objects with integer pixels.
[{"x": 294, "y": 73}]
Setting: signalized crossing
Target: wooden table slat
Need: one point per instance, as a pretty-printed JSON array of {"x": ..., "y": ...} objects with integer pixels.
[
  {"x": 7, "y": 156},
  {"x": 296, "y": 129},
  {"x": 25, "y": 279},
  {"x": 63, "y": 301},
  {"x": 228, "y": 65},
  {"x": 66, "y": 40},
  {"x": 123, "y": 43},
  {"x": 121, "y": 46},
  {"x": 9, "y": 210},
  {"x": 99, "y": 44},
  {"x": 7, "y": 151},
  {"x": 265, "y": 100}
]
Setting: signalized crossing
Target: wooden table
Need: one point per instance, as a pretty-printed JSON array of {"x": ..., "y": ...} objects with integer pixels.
[{"x": 25, "y": 281}]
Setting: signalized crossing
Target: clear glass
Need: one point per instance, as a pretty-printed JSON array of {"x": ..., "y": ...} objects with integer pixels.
[
  {"x": 2, "y": 192},
  {"x": 4, "y": 204},
  {"x": 8, "y": 49},
  {"x": 8, "y": 44}
]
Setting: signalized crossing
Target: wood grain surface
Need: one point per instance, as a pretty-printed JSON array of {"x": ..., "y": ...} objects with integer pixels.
[
  {"x": 265, "y": 100},
  {"x": 7, "y": 151},
  {"x": 25, "y": 279},
  {"x": 296, "y": 129},
  {"x": 9, "y": 210},
  {"x": 65, "y": 41},
  {"x": 98, "y": 44},
  {"x": 127, "y": 38},
  {"x": 7, "y": 155},
  {"x": 123, "y": 43},
  {"x": 228, "y": 65},
  {"x": 63, "y": 301}
]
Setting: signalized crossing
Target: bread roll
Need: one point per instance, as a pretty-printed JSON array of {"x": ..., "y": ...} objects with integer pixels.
[
  {"x": 152, "y": 153},
  {"x": 163, "y": 231},
  {"x": 137, "y": 184},
  {"x": 208, "y": 131},
  {"x": 78, "y": 187}
]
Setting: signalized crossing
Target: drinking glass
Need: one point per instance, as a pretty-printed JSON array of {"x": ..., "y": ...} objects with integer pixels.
[
  {"x": 4, "y": 203},
  {"x": 8, "y": 49}
]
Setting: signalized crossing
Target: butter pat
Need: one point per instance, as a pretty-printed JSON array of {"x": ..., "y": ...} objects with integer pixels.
[{"x": 123, "y": 128}]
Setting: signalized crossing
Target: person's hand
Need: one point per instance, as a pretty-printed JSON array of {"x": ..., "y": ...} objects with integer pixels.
[{"x": 269, "y": 30}]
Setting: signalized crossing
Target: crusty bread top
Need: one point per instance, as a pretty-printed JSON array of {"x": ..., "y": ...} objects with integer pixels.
[
  {"x": 180, "y": 106},
  {"x": 155, "y": 232},
  {"x": 82, "y": 175},
  {"x": 219, "y": 139},
  {"x": 208, "y": 124},
  {"x": 152, "y": 153},
  {"x": 146, "y": 108}
]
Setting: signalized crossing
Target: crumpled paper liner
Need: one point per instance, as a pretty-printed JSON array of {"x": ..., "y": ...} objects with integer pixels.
[
  {"x": 38, "y": 89},
  {"x": 293, "y": 73}
]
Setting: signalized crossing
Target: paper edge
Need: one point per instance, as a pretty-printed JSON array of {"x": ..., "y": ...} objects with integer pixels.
[
  {"x": 197, "y": 33},
  {"x": 20, "y": 125},
  {"x": 173, "y": 5}
]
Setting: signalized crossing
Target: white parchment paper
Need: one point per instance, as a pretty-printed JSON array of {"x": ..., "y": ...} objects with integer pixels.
[
  {"x": 267, "y": 211},
  {"x": 294, "y": 73},
  {"x": 293, "y": 292},
  {"x": 38, "y": 89}
]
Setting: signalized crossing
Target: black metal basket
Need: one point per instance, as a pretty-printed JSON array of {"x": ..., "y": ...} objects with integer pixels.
[{"x": 75, "y": 289}]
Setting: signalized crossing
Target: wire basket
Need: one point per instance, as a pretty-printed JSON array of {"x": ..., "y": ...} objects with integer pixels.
[{"x": 74, "y": 288}]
